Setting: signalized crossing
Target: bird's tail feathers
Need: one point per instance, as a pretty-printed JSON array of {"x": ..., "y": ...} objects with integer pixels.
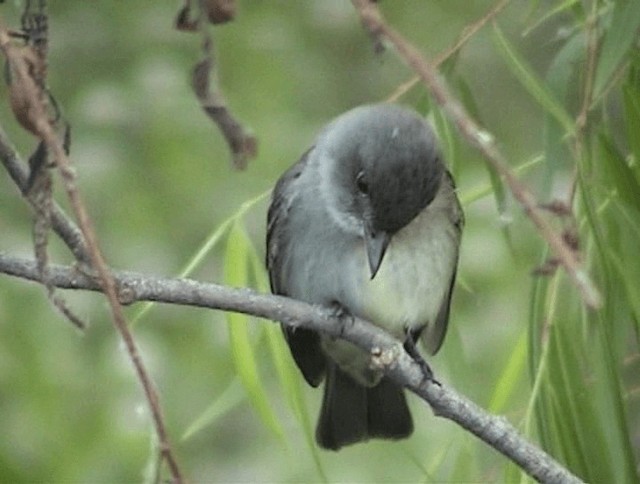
[{"x": 353, "y": 413}]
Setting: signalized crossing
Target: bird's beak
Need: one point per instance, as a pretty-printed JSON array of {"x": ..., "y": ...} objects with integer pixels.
[{"x": 377, "y": 243}]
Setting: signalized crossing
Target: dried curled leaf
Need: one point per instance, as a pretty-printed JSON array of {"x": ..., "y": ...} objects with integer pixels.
[
  {"x": 242, "y": 143},
  {"x": 215, "y": 11},
  {"x": 184, "y": 21},
  {"x": 28, "y": 105},
  {"x": 219, "y": 11}
]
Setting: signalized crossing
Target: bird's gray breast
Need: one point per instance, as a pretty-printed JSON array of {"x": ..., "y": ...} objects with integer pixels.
[
  {"x": 323, "y": 263},
  {"x": 318, "y": 259}
]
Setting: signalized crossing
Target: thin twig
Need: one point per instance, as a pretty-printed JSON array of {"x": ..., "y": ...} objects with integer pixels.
[
  {"x": 60, "y": 221},
  {"x": 39, "y": 185},
  {"x": 467, "y": 32},
  {"x": 591, "y": 26},
  {"x": 241, "y": 141},
  {"x": 386, "y": 351},
  {"x": 483, "y": 141},
  {"x": 38, "y": 119}
]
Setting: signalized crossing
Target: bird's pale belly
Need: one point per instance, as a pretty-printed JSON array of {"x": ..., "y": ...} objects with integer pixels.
[{"x": 407, "y": 292}]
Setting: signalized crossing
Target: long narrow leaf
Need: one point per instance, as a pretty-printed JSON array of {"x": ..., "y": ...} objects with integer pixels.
[
  {"x": 619, "y": 38},
  {"x": 231, "y": 397},
  {"x": 236, "y": 274},
  {"x": 631, "y": 93},
  {"x": 499, "y": 191},
  {"x": 510, "y": 377},
  {"x": 531, "y": 82},
  {"x": 560, "y": 8},
  {"x": 209, "y": 243},
  {"x": 289, "y": 376}
]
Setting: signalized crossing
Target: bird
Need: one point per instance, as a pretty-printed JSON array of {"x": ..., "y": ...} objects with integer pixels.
[{"x": 367, "y": 222}]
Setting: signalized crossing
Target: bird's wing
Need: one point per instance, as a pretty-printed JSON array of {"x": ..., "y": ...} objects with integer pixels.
[
  {"x": 304, "y": 343},
  {"x": 434, "y": 334}
]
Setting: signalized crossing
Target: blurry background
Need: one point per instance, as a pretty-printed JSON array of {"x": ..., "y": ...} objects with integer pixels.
[{"x": 156, "y": 176}]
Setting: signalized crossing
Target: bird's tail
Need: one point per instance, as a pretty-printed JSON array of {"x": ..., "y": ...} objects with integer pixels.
[{"x": 352, "y": 413}]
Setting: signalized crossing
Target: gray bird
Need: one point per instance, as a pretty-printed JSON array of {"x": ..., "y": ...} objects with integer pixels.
[{"x": 368, "y": 222}]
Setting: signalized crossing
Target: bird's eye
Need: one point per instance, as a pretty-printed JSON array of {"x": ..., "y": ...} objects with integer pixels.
[{"x": 362, "y": 184}]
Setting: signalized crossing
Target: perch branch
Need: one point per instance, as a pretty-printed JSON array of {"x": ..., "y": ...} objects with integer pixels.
[{"x": 386, "y": 351}]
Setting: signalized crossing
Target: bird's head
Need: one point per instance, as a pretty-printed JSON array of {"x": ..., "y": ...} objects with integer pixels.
[{"x": 383, "y": 169}]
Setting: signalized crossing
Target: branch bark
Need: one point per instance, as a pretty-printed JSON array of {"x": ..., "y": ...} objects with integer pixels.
[
  {"x": 386, "y": 352},
  {"x": 60, "y": 222}
]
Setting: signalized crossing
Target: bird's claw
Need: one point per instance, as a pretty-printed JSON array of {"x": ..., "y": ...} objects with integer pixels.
[
  {"x": 412, "y": 351},
  {"x": 338, "y": 311}
]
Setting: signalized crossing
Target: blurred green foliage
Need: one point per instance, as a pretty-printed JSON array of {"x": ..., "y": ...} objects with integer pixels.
[{"x": 156, "y": 178}]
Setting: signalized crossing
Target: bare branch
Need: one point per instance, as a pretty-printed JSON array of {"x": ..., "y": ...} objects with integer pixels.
[
  {"x": 387, "y": 352},
  {"x": 60, "y": 221},
  {"x": 242, "y": 143},
  {"x": 485, "y": 143},
  {"x": 31, "y": 60},
  {"x": 34, "y": 109}
]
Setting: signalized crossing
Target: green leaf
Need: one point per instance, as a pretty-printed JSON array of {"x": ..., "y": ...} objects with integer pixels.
[
  {"x": 560, "y": 8},
  {"x": 470, "y": 196},
  {"x": 464, "y": 465},
  {"x": 288, "y": 375},
  {"x": 210, "y": 242},
  {"x": 447, "y": 135},
  {"x": 468, "y": 99},
  {"x": 218, "y": 232},
  {"x": 622, "y": 222},
  {"x": 621, "y": 177},
  {"x": 631, "y": 284},
  {"x": 560, "y": 77},
  {"x": 236, "y": 275},
  {"x": 619, "y": 38},
  {"x": 543, "y": 292},
  {"x": 497, "y": 184},
  {"x": 530, "y": 81},
  {"x": 499, "y": 192},
  {"x": 230, "y": 398},
  {"x": 510, "y": 377},
  {"x": 435, "y": 464},
  {"x": 577, "y": 354},
  {"x": 631, "y": 94}
]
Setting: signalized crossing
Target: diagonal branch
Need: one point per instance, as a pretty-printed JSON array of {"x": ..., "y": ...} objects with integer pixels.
[
  {"x": 484, "y": 142},
  {"x": 34, "y": 110},
  {"x": 387, "y": 352},
  {"x": 60, "y": 221}
]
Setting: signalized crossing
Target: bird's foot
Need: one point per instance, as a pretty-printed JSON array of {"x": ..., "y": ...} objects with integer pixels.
[
  {"x": 412, "y": 351},
  {"x": 338, "y": 311}
]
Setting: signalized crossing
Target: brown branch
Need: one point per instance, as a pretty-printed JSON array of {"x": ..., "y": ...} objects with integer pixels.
[
  {"x": 35, "y": 111},
  {"x": 485, "y": 143},
  {"x": 39, "y": 185},
  {"x": 242, "y": 143},
  {"x": 60, "y": 221},
  {"x": 386, "y": 352}
]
